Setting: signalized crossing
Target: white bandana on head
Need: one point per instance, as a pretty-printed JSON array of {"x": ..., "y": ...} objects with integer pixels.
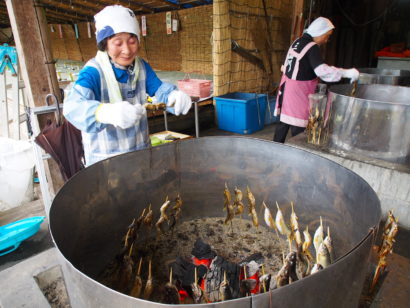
[
  {"x": 115, "y": 19},
  {"x": 319, "y": 27}
]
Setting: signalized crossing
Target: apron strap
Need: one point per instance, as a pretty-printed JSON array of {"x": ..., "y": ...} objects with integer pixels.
[{"x": 299, "y": 56}]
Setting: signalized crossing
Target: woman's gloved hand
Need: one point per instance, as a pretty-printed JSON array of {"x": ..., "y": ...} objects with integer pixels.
[
  {"x": 121, "y": 114},
  {"x": 351, "y": 73},
  {"x": 181, "y": 102}
]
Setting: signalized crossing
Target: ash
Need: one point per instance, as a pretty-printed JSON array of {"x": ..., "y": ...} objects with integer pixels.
[{"x": 233, "y": 242}]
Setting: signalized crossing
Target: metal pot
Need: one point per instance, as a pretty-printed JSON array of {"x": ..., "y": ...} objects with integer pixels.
[
  {"x": 384, "y": 76},
  {"x": 91, "y": 211},
  {"x": 374, "y": 124}
]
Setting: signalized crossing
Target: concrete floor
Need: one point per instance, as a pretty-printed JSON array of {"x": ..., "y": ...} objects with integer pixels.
[{"x": 394, "y": 291}]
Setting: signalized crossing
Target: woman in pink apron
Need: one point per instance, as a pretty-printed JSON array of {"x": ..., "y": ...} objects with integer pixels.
[{"x": 302, "y": 67}]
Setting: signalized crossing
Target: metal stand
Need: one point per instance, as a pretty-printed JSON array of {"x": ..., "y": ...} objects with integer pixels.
[{"x": 195, "y": 102}]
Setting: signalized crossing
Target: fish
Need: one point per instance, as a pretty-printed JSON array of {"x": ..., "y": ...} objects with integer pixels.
[
  {"x": 225, "y": 292},
  {"x": 148, "y": 217},
  {"x": 176, "y": 211},
  {"x": 164, "y": 207},
  {"x": 230, "y": 213},
  {"x": 137, "y": 286},
  {"x": 125, "y": 273},
  {"x": 268, "y": 217},
  {"x": 238, "y": 194},
  {"x": 197, "y": 294},
  {"x": 308, "y": 240},
  {"x": 140, "y": 220},
  {"x": 329, "y": 245},
  {"x": 323, "y": 256},
  {"x": 227, "y": 196},
  {"x": 280, "y": 222},
  {"x": 163, "y": 216},
  {"x": 254, "y": 215},
  {"x": 171, "y": 294},
  {"x": 282, "y": 277},
  {"x": 304, "y": 264},
  {"x": 294, "y": 225},
  {"x": 149, "y": 286},
  {"x": 318, "y": 237},
  {"x": 239, "y": 207},
  {"x": 251, "y": 200},
  {"x": 316, "y": 268},
  {"x": 291, "y": 258}
]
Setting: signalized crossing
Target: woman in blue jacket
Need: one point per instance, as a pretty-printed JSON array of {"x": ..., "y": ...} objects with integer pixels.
[{"x": 106, "y": 102}]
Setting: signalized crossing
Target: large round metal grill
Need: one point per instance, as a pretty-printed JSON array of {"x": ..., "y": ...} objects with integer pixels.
[{"x": 90, "y": 213}]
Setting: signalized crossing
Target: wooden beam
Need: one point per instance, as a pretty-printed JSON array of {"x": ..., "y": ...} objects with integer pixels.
[
  {"x": 297, "y": 19},
  {"x": 28, "y": 24},
  {"x": 169, "y": 3}
]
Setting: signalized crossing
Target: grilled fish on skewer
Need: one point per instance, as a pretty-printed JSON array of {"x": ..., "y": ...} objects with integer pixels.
[
  {"x": 225, "y": 292},
  {"x": 254, "y": 215},
  {"x": 148, "y": 218},
  {"x": 294, "y": 225},
  {"x": 323, "y": 256},
  {"x": 282, "y": 227},
  {"x": 163, "y": 216},
  {"x": 140, "y": 220},
  {"x": 178, "y": 205},
  {"x": 291, "y": 258},
  {"x": 230, "y": 213},
  {"x": 251, "y": 200},
  {"x": 171, "y": 294},
  {"x": 164, "y": 207},
  {"x": 137, "y": 287},
  {"x": 238, "y": 202},
  {"x": 149, "y": 286},
  {"x": 238, "y": 195},
  {"x": 329, "y": 245},
  {"x": 316, "y": 268},
  {"x": 307, "y": 243},
  {"x": 318, "y": 237},
  {"x": 176, "y": 211},
  {"x": 197, "y": 293},
  {"x": 282, "y": 278},
  {"x": 386, "y": 248},
  {"x": 125, "y": 273},
  {"x": 227, "y": 196},
  {"x": 268, "y": 217},
  {"x": 304, "y": 264},
  {"x": 280, "y": 222}
]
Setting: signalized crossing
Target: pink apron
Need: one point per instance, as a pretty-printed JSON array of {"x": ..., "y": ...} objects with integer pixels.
[{"x": 295, "y": 103}]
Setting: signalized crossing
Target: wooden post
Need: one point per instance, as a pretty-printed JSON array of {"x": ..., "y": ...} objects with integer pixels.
[
  {"x": 29, "y": 26},
  {"x": 297, "y": 20}
]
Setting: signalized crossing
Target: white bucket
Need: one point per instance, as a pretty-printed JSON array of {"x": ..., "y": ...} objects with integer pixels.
[{"x": 16, "y": 173}]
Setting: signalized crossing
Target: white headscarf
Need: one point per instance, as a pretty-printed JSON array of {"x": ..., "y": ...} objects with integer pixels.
[
  {"x": 115, "y": 19},
  {"x": 319, "y": 26}
]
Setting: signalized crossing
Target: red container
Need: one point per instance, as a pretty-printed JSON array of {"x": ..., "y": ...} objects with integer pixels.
[{"x": 195, "y": 87}]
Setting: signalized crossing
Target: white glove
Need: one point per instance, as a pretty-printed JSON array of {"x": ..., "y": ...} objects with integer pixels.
[
  {"x": 181, "y": 102},
  {"x": 351, "y": 73},
  {"x": 121, "y": 114}
]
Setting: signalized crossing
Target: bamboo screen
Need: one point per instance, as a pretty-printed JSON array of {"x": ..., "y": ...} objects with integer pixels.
[
  {"x": 66, "y": 46},
  {"x": 244, "y": 23},
  {"x": 188, "y": 50}
]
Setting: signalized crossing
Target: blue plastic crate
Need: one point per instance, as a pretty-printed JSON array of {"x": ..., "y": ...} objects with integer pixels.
[
  {"x": 270, "y": 110},
  {"x": 242, "y": 113}
]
